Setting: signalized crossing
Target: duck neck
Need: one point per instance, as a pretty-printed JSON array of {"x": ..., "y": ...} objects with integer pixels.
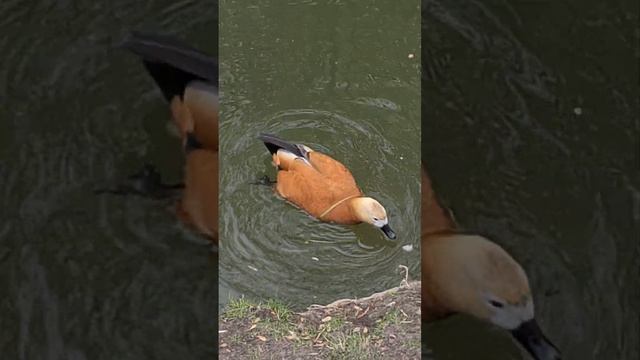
[
  {"x": 354, "y": 207},
  {"x": 445, "y": 272},
  {"x": 343, "y": 209}
]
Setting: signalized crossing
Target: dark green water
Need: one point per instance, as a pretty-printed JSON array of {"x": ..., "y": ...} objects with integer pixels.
[
  {"x": 86, "y": 276},
  {"x": 530, "y": 131},
  {"x": 338, "y": 77}
]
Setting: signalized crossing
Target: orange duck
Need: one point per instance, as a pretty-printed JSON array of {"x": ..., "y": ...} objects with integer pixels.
[
  {"x": 188, "y": 80},
  {"x": 322, "y": 186},
  {"x": 466, "y": 273}
]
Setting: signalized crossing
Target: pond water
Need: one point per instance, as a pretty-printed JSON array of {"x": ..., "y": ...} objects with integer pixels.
[
  {"x": 87, "y": 276},
  {"x": 342, "y": 78}
]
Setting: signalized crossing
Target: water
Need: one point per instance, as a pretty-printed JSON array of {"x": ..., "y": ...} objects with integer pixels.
[
  {"x": 87, "y": 276},
  {"x": 337, "y": 76},
  {"x": 530, "y": 133}
]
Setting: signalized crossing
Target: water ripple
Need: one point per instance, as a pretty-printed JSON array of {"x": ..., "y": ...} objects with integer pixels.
[{"x": 278, "y": 249}]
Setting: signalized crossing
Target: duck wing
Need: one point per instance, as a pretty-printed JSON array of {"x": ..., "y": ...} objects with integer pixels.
[{"x": 172, "y": 63}]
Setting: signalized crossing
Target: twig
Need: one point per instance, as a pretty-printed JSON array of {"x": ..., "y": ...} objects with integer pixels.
[{"x": 404, "y": 282}]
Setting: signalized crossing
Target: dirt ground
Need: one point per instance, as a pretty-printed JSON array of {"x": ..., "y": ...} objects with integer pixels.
[{"x": 382, "y": 326}]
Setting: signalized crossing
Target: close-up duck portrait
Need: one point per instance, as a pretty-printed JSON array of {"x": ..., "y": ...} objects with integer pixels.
[
  {"x": 319, "y": 179},
  {"x": 108, "y": 165},
  {"x": 530, "y": 187}
]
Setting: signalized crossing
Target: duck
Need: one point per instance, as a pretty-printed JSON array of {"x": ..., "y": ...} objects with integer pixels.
[
  {"x": 465, "y": 273},
  {"x": 188, "y": 80},
  {"x": 322, "y": 186}
]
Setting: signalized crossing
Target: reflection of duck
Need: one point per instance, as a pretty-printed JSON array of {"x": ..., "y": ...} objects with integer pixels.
[
  {"x": 469, "y": 274},
  {"x": 322, "y": 186},
  {"x": 189, "y": 81}
]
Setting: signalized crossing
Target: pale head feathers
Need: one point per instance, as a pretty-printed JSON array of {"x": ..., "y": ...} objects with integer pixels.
[{"x": 470, "y": 274}]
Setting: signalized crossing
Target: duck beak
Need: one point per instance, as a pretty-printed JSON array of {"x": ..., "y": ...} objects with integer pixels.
[
  {"x": 531, "y": 337},
  {"x": 386, "y": 229}
]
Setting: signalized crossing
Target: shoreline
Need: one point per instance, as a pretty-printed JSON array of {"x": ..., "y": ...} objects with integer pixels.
[{"x": 384, "y": 325}]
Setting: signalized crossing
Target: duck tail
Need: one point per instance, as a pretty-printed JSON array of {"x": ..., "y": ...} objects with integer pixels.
[
  {"x": 274, "y": 143},
  {"x": 172, "y": 63}
]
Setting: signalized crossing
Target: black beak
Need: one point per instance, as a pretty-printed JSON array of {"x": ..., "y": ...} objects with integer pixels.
[
  {"x": 531, "y": 337},
  {"x": 387, "y": 231}
]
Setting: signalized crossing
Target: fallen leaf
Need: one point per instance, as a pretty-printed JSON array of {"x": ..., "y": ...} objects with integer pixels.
[{"x": 261, "y": 338}]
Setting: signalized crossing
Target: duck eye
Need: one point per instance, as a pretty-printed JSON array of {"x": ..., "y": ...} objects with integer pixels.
[
  {"x": 375, "y": 218},
  {"x": 496, "y": 304}
]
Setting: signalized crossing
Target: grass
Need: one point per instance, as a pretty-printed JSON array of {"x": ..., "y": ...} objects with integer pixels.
[
  {"x": 238, "y": 308},
  {"x": 280, "y": 310},
  {"x": 272, "y": 317},
  {"x": 354, "y": 345},
  {"x": 393, "y": 317},
  {"x": 271, "y": 330},
  {"x": 278, "y": 325}
]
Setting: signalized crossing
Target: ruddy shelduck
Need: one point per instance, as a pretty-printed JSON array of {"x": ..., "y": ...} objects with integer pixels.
[
  {"x": 322, "y": 186},
  {"x": 188, "y": 80},
  {"x": 467, "y": 273}
]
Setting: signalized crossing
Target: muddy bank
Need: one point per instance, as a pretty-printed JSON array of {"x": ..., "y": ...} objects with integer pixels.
[{"x": 384, "y": 325}]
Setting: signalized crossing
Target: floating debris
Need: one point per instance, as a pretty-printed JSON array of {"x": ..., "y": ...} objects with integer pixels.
[
  {"x": 380, "y": 103},
  {"x": 407, "y": 248}
]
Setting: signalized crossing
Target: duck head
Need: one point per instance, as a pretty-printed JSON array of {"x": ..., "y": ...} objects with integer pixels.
[
  {"x": 370, "y": 211},
  {"x": 472, "y": 275}
]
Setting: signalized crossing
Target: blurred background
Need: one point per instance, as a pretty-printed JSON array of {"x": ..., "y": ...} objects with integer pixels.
[
  {"x": 530, "y": 134},
  {"x": 342, "y": 78},
  {"x": 86, "y": 276}
]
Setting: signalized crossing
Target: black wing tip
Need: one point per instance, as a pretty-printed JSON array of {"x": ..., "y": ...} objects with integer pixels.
[
  {"x": 171, "y": 62},
  {"x": 149, "y": 45},
  {"x": 274, "y": 143},
  {"x": 172, "y": 51}
]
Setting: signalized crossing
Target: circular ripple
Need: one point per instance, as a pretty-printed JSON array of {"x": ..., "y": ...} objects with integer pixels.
[{"x": 270, "y": 248}]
